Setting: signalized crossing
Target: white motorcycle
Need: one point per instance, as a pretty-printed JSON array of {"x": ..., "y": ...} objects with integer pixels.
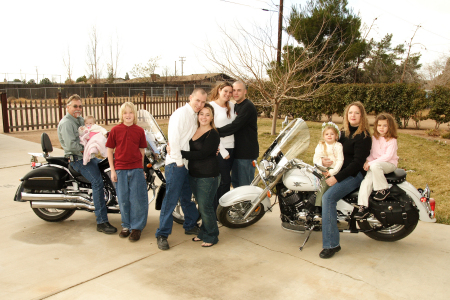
[{"x": 294, "y": 185}]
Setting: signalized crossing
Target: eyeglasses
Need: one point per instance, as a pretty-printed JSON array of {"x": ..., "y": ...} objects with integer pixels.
[{"x": 76, "y": 106}]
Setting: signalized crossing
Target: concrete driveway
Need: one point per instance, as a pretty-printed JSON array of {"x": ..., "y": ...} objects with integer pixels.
[{"x": 71, "y": 260}]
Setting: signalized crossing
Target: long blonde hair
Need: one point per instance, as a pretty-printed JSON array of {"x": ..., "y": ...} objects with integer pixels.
[
  {"x": 214, "y": 94},
  {"x": 124, "y": 106},
  {"x": 363, "y": 125}
]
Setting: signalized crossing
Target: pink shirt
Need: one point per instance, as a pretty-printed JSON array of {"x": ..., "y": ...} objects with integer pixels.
[{"x": 383, "y": 150}]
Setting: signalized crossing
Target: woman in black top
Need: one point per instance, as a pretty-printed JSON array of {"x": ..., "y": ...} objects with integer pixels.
[
  {"x": 356, "y": 142},
  {"x": 204, "y": 175}
]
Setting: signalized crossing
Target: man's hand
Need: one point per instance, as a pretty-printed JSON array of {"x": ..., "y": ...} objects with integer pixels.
[{"x": 228, "y": 156}]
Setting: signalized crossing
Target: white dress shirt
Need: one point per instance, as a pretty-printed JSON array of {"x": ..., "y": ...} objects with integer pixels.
[{"x": 182, "y": 126}]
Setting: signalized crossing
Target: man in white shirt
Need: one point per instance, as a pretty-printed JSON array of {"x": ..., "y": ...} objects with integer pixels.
[{"x": 182, "y": 126}]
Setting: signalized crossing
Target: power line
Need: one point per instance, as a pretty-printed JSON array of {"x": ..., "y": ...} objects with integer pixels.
[
  {"x": 254, "y": 7},
  {"x": 407, "y": 20}
]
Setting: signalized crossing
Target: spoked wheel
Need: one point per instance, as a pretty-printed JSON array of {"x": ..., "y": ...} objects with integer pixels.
[
  {"x": 53, "y": 214},
  {"x": 387, "y": 234},
  {"x": 233, "y": 216}
]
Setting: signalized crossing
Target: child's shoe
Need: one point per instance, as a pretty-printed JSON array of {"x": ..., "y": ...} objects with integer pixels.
[
  {"x": 362, "y": 212},
  {"x": 381, "y": 194}
]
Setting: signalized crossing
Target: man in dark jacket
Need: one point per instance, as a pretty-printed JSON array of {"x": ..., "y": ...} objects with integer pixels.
[{"x": 245, "y": 130}]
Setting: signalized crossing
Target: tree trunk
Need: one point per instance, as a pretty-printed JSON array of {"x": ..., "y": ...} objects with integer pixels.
[{"x": 274, "y": 119}]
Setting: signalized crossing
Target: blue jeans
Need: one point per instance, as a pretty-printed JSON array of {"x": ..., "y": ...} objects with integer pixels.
[
  {"x": 177, "y": 187},
  {"x": 225, "y": 166},
  {"x": 132, "y": 194},
  {"x": 242, "y": 172},
  {"x": 92, "y": 173},
  {"x": 204, "y": 190},
  {"x": 330, "y": 231}
]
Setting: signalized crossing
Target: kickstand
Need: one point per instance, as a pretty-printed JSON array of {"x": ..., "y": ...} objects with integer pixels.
[{"x": 307, "y": 238}]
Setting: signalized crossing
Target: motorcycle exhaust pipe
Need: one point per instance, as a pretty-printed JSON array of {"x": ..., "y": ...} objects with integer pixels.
[
  {"x": 54, "y": 197},
  {"x": 62, "y": 205}
]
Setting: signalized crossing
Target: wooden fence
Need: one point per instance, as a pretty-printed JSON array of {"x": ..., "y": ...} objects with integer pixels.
[{"x": 43, "y": 114}]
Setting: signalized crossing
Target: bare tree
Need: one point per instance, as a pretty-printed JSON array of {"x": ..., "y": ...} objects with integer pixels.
[
  {"x": 68, "y": 66},
  {"x": 251, "y": 57},
  {"x": 93, "y": 55},
  {"x": 167, "y": 74},
  {"x": 114, "y": 60},
  {"x": 145, "y": 71}
]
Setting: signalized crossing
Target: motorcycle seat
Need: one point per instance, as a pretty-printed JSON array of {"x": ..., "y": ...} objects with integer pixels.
[
  {"x": 398, "y": 176},
  {"x": 77, "y": 175},
  {"x": 60, "y": 161},
  {"x": 352, "y": 197}
]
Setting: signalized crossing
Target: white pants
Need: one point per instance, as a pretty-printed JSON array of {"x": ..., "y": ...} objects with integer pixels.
[{"x": 374, "y": 180}]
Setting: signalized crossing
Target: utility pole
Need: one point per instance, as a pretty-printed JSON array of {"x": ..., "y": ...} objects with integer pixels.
[
  {"x": 280, "y": 28},
  {"x": 182, "y": 59},
  {"x": 37, "y": 76},
  {"x": 175, "y": 68}
]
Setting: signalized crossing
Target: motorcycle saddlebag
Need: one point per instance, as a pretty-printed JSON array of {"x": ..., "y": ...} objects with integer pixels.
[
  {"x": 45, "y": 178},
  {"x": 399, "y": 210}
]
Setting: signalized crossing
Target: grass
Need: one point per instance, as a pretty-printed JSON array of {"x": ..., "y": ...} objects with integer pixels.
[{"x": 425, "y": 161}]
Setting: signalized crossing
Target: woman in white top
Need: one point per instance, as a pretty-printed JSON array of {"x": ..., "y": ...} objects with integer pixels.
[{"x": 223, "y": 115}]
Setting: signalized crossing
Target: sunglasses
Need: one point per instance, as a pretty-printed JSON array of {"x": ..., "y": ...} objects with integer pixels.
[{"x": 77, "y": 106}]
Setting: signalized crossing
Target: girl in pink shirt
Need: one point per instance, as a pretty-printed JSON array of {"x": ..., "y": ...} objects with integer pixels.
[{"x": 382, "y": 160}]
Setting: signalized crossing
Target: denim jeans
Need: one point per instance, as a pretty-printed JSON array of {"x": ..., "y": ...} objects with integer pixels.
[
  {"x": 204, "y": 190},
  {"x": 132, "y": 194},
  {"x": 177, "y": 187},
  {"x": 330, "y": 231},
  {"x": 225, "y": 166},
  {"x": 92, "y": 173},
  {"x": 242, "y": 172}
]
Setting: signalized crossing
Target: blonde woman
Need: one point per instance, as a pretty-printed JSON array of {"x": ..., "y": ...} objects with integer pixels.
[
  {"x": 356, "y": 142},
  {"x": 224, "y": 114}
]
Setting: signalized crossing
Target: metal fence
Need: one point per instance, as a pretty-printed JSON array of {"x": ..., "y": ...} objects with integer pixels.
[
  {"x": 34, "y": 92},
  {"x": 28, "y": 114}
]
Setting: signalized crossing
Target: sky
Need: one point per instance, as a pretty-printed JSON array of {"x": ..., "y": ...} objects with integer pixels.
[{"x": 37, "y": 35}]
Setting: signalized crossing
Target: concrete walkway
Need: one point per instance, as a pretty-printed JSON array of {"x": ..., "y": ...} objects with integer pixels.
[{"x": 71, "y": 260}]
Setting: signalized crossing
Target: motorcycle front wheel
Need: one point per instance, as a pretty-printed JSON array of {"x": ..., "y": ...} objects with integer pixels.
[
  {"x": 233, "y": 216},
  {"x": 387, "y": 234},
  {"x": 53, "y": 214}
]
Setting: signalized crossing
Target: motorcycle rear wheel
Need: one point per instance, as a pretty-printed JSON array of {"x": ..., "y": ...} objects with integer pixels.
[
  {"x": 389, "y": 234},
  {"x": 232, "y": 216},
  {"x": 53, "y": 214}
]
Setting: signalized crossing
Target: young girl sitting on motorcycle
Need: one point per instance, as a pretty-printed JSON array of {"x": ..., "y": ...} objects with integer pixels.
[
  {"x": 328, "y": 147},
  {"x": 382, "y": 160},
  {"x": 128, "y": 141}
]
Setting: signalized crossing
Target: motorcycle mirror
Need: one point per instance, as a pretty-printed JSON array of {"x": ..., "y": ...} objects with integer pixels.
[{"x": 285, "y": 122}]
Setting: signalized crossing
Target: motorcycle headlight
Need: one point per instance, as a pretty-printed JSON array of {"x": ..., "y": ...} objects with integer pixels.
[{"x": 266, "y": 168}]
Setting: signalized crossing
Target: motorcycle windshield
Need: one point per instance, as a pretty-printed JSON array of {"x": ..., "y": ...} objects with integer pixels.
[
  {"x": 154, "y": 135},
  {"x": 293, "y": 140}
]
